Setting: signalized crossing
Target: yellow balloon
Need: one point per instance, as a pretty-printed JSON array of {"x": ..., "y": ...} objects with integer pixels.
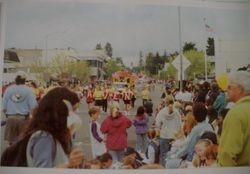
[{"x": 222, "y": 81}]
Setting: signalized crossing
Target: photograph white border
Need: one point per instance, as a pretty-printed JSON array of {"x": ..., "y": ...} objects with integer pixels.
[{"x": 185, "y": 3}]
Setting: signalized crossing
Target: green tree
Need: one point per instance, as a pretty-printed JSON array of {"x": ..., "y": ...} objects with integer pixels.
[
  {"x": 41, "y": 70},
  {"x": 197, "y": 64},
  {"x": 171, "y": 72},
  {"x": 150, "y": 66},
  {"x": 62, "y": 67},
  {"x": 210, "y": 46},
  {"x": 98, "y": 46},
  {"x": 112, "y": 66},
  {"x": 109, "y": 49},
  {"x": 189, "y": 46},
  {"x": 141, "y": 62},
  {"x": 119, "y": 61},
  {"x": 154, "y": 63}
]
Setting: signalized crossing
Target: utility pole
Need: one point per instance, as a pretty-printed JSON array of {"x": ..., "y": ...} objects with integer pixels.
[{"x": 180, "y": 42}]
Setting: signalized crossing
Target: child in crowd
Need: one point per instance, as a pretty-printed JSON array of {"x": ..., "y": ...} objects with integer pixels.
[
  {"x": 107, "y": 162},
  {"x": 97, "y": 138},
  {"x": 153, "y": 150},
  {"x": 141, "y": 127},
  {"x": 211, "y": 155},
  {"x": 199, "y": 159},
  {"x": 179, "y": 141},
  {"x": 132, "y": 159},
  {"x": 189, "y": 120},
  {"x": 149, "y": 107}
]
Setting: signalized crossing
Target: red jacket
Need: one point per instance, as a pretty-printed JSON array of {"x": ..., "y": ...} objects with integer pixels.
[{"x": 115, "y": 128}]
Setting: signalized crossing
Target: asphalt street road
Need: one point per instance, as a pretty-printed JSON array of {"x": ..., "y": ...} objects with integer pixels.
[{"x": 83, "y": 134}]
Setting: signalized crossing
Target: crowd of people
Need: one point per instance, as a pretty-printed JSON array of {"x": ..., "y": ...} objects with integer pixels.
[{"x": 203, "y": 125}]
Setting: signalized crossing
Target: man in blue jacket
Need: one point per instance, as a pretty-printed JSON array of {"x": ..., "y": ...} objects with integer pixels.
[{"x": 18, "y": 103}]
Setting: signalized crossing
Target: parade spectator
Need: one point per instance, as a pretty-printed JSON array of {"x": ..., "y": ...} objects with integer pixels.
[
  {"x": 96, "y": 136},
  {"x": 184, "y": 96},
  {"x": 132, "y": 159},
  {"x": 212, "y": 114},
  {"x": 178, "y": 143},
  {"x": 48, "y": 128},
  {"x": 213, "y": 93},
  {"x": 152, "y": 153},
  {"x": 107, "y": 162},
  {"x": 149, "y": 107},
  {"x": 141, "y": 128},
  {"x": 18, "y": 104},
  {"x": 115, "y": 126},
  {"x": 220, "y": 102},
  {"x": 168, "y": 121},
  {"x": 219, "y": 121},
  {"x": 211, "y": 155},
  {"x": 199, "y": 113},
  {"x": 202, "y": 93},
  {"x": 145, "y": 95},
  {"x": 234, "y": 146},
  {"x": 199, "y": 159},
  {"x": 35, "y": 90},
  {"x": 187, "y": 151},
  {"x": 189, "y": 120}
]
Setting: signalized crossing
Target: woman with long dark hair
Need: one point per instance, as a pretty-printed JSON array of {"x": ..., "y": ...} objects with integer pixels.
[{"x": 50, "y": 142}]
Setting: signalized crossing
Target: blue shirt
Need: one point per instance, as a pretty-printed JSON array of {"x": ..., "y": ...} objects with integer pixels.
[
  {"x": 18, "y": 99},
  {"x": 220, "y": 102},
  {"x": 193, "y": 138}
]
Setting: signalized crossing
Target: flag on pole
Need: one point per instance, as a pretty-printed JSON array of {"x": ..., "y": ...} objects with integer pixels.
[{"x": 207, "y": 27}]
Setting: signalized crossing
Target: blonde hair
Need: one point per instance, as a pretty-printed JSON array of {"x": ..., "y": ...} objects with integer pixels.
[
  {"x": 190, "y": 122},
  {"x": 151, "y": 133},
  {"x": 211, "y": 152},
  {"x": 93, "y": 110},
  {"x": 114, "y": 105},
  {"x": 196, "y": 159}
]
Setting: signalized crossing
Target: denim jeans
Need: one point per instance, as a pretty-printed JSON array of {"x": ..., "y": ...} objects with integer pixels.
[
  {"x": 117, "y": 155},
  {"x": 164, "y": 148},
  {"x": 141, "y": 142}
]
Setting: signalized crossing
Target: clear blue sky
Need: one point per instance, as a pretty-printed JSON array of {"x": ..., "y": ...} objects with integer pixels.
[{"x": 129, "y": 28}]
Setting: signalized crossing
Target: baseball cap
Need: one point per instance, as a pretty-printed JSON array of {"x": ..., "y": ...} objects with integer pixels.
[{"x": 22, "y": 74}]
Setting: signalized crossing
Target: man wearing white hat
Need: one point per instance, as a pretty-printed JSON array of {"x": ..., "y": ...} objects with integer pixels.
[{"x": 18, "y": 103}]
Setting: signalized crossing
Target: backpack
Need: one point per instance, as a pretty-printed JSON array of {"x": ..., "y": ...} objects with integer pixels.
[{"x": 15, "y": 154}]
